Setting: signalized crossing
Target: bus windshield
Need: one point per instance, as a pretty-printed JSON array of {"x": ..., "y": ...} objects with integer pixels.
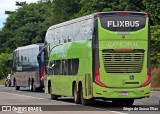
[{"x": 123, "y": 23}]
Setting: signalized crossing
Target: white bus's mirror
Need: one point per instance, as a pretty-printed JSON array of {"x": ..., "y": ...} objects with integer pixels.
[{"x": 9, "y": 62}]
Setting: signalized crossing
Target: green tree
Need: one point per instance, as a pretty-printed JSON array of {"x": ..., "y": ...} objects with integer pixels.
[
  {"x": 27, "y": 25},
  {"x": 153, "y": 8},
  {"x": 63, "y": 10},
  {"x": 93, "y": 6},
  {"x": 4, "y": 69},
  {"x": 155, "y": 41}
]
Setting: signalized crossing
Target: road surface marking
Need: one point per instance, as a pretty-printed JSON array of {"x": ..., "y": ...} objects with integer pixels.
[
  {"x": 19, "y": 112},
  {"x": 138, "y": 102},
  {"x": 118, "y": 112},
  {"x": 61, "y": 101},
  {"x": 24, "y": 95}
]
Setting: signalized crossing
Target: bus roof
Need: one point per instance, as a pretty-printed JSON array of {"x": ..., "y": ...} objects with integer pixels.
[
  {"x": 110, "y": 12},
  {"x": 29, "y": 46},
  {"x": 91, "y": 16},
  {"x": 71, "y": 21}
]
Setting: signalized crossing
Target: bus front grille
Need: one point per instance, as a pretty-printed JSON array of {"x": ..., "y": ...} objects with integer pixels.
[{"x": 128, "y": 61}]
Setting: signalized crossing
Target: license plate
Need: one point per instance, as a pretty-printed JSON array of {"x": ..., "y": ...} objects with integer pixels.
[{"x": 123, "y": 94}]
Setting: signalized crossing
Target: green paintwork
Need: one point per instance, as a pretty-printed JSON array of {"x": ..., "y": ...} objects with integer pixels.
[
  {"x": 62, "y": 85},
  {"x": 112, "y": 40}
]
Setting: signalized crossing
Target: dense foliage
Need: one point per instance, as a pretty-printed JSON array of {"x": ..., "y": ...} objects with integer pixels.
[
  {"x": 155, "y": 40},
  {"x": 29, "y": 23},
  {"x": 26, "y": 25},
  {"x": 4, "y": 68}
]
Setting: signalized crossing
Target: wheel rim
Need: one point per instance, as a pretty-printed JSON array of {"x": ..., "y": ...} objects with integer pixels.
[
  {"x": 30, "y": 86},
  {"x": 34, "y": 88},
  {"x": 75, "y": 94},
  {"x": 15, "y": 83},
  {"x": 82, "y": 100},
  {"x": 50, "y": 90}
]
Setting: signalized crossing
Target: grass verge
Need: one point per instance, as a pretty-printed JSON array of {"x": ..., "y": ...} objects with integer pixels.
[{"x": 2, "y": 81}]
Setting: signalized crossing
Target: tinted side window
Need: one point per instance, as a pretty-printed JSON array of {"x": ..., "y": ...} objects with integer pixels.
[
  {"x": 64, "y": 67},
  {"x": 73, "y": 66}
]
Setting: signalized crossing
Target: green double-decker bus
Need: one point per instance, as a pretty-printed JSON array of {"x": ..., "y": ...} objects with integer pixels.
[{"x": 104, "y": 55}]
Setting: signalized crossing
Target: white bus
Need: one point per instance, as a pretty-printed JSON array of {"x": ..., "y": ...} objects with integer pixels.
[{"x": 27, "y": 70}]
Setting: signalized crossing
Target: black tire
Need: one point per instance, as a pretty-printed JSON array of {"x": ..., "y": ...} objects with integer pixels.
[
  {"x": 14, "y": 83},
  {"x": 30, "y": 86},
  {"x": 83, "y": 100},
  {"x": 53, "y": 96},
  {"x": 16, "y": 87},
  {"x": 8, "y": 83},
  {"x": 34, "y": 88},
  {"x": 76, "y": 95}
]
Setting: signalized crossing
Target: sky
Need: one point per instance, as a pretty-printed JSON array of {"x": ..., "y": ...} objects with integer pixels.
[{"x": 9, "y": 5}]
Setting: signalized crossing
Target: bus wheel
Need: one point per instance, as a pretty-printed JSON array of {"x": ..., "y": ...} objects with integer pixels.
[
  {"x": 53, "y": 97},
  {"x": 83, "y": 100},
  {"x": 76, "y": 95},
  {"x": 9, "y": 84},
  {"x": 14, "y": 82},
  {"x": 16, "y": 87},
  {"x": 34, "y": 88},
  {"x": 30, "y": 86}
]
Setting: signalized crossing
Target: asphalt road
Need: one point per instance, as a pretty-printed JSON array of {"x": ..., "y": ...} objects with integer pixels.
[{"x": 25, "y": 101}]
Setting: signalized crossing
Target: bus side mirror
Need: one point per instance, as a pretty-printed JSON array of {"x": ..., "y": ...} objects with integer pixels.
[
  {"x": 9, "y": 62},
  {"x": 52, "y": 67},
  {"x": 38, "y": 58}
]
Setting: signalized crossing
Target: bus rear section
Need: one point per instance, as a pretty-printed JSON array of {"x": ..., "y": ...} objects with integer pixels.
[
  {"x": 40, "y": 59},
  {"x": 121, "y": 56},
  {"x": 27, "y": 71}
]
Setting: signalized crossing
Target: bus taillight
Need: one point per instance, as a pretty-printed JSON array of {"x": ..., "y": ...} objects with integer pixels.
[
  {"x": 98, "y": 15},
  {"x": 146, "y": 14},
  {"x": 42, "y": 74},
  {"x": 97, "y": 77},
  {"x": 148, "y": 77}
]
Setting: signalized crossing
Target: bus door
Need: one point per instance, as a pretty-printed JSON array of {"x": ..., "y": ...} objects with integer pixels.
[{"x": 41, "y": 67}]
